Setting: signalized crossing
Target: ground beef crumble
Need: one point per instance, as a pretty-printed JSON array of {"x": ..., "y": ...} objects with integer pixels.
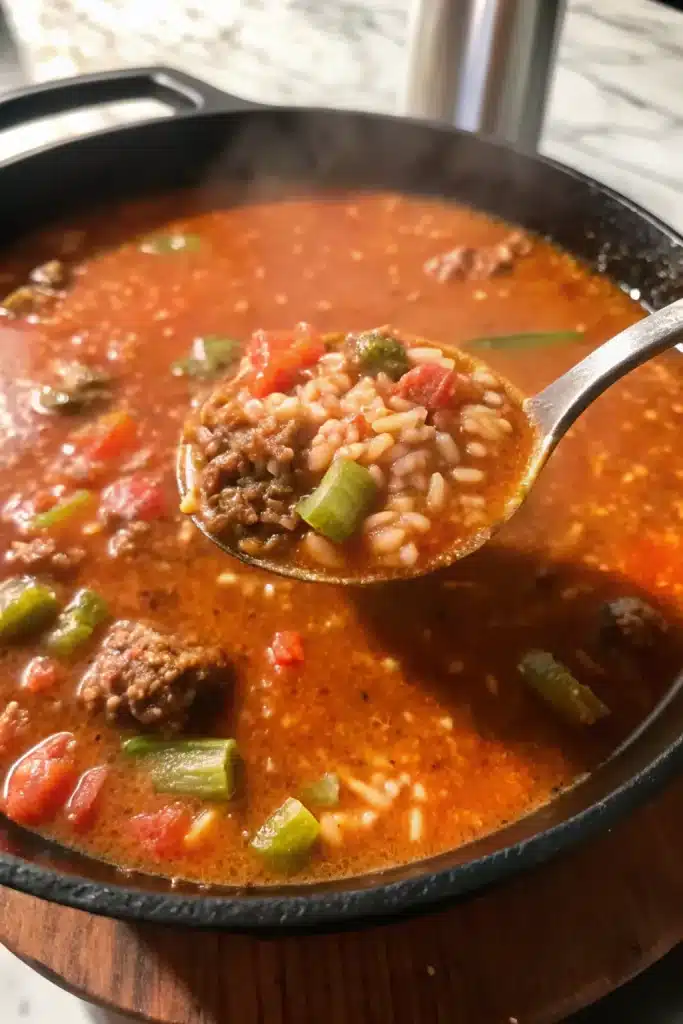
[
  {"x": 42, "y": 555},
  {"x": 468, "y": 263},
  {"x": 13, "y": 722},
  {"x": 129, "y": 540},
  {"x": 249, "y": 475},
  {"x": 141, "y": 677}
]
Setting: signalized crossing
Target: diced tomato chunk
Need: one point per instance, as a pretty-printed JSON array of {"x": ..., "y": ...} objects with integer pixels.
[
  {"x": 40, "y": 675},
  {"x": 362, "y": 426},
  {"x": 40, "y": 781},
  {"x": 162, "y": 832},
  {"x": 287, "y": 648},
  {"x": 277, "y": 357},
  {"x": 111, "y": 435},
  {"x": 138, "y": 496},
  {"x": 430, "y": 385},
  {"x": 81, "y": 809}
]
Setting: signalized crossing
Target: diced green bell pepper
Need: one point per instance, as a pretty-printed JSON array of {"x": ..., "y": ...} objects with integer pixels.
[
  {"x": 26, "y": 607},
  {"x": 286, "y": 838},
  {"x": 204, "y": 768},
  {"x": 77, "y": 623}
]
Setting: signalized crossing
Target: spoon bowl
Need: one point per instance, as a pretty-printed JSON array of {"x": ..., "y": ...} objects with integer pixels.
[{"x": 551, "y": 412}]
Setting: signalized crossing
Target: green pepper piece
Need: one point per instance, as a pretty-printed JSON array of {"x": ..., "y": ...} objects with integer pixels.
[
  {"x": 557, "y": 686},
  {"x": 204, "y": 768},
  {"x": 77, "y": 623},
  {"x": 340, "y": 502},
  {"x": 324, "y": 792},
  {"x": 286, "y": 838},
  {"x": 160, "y": 245},
  {"x": 62, "y": 511},
  {"x": 381, "y": 353},
  {"x": 209, "y": 358},
  {"x": 26, "y": 606}
]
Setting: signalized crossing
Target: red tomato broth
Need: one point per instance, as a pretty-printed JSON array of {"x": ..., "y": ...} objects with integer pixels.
[{"x": 417, "y": 679}]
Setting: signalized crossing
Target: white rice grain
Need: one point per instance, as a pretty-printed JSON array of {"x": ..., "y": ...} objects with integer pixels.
[
  {"x": 468, "y": 475},
  {"x": 482, "y": 376},
  {"x": 371, "y": 795},
  {"x": 436, "y": 494},
  {"x": 376, "y": 447},
  {"x": 320, "y": 457},
  {"x": 321, "y": 551},
  {"x": 476, "y": 449},
  {"x": 377, "y": 475},
  {"x": 350, "y": 451},
  {"x": 253, "y": 409},
  {"x": 400, "y": 420},
  {"x": 448, "y": 449},
  {"x": 387, "y": 540},
  {"x": 416, "y": 435},
  {"x": 410, "y": 463},
  {"x": 493, "y": 399},
  {"x": 331, "y": 827},
  {"x": 482, "y": 426},
  {"x": 402, "y": 504},
  {"x": 423, "y": 355},
  {"x": 408, "y": 554},
  {"x": 400, "y": 404},
  {"x": 415, "y": 824},
  {"x": 333, "y": 361},
  {"x": 416, "y": 522},
  {"x": 379, "y": 519}
]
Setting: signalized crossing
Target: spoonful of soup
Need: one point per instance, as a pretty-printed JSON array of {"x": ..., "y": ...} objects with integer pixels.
[{"x": 372, "y": 456}]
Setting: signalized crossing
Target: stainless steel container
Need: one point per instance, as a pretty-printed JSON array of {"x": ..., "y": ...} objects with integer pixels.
[{"x": 483, "y": 65}]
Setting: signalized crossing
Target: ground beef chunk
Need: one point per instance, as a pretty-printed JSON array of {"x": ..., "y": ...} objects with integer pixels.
[
  {"x": 249, "y": 476},
  {"x": 13, "y": 722},
  {"x": 128, "y": 540},
  {"x": 42, "y": 555},
  {"x": 477, "y": 264},
  {"x": 632, "y": 623},
  {"x": 144, "y": 678}
]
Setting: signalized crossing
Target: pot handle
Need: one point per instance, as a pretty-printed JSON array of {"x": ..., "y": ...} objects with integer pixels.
[{"x": 180, "y": 91}]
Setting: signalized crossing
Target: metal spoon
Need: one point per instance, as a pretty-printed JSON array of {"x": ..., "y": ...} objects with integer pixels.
[{"x": 552, "y": 411}]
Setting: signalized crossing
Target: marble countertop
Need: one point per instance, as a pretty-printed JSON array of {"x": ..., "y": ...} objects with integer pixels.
[
  {"x": 616, "y": 110},
  {"x": 616, "y": 113}
]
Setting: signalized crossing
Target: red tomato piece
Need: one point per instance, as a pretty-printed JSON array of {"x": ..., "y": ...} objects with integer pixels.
[
  {"x": 113, "y": 434},
  {"x": 81, "y": 809},
  {"x": 162, "y": 832},
  {"x": 40, "y": 781},
  {"x": 41, "y": 675},
  {"x": 287, "y": 648},
  {"x": 430, "y": 385},
  {"x": 362, "y": 426},
  {"x": 137, "y": 496},
  {"x": 277, "y": 357}
]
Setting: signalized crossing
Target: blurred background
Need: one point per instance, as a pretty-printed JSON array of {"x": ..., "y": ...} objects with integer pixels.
[{"x": 608, "y": 75}]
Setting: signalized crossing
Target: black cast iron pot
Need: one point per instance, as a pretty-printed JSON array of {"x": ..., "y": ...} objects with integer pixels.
[{"x": 214, "y": 134}]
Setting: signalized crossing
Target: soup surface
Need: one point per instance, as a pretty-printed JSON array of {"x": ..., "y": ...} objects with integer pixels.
[{"x": 392, "y": 722}]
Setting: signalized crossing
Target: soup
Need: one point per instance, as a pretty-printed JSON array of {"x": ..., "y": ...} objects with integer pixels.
[{"x": 167, "y": 708}]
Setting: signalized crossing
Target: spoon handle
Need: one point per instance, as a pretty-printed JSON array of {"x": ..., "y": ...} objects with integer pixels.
[{"x": 558, "y": 406}]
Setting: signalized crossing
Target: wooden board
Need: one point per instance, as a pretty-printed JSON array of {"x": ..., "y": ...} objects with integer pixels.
[{"x": 533, "y": 950}]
